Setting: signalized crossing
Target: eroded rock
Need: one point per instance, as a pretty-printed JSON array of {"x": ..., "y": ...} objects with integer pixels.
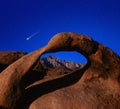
[{"x": 95, "y": 86}]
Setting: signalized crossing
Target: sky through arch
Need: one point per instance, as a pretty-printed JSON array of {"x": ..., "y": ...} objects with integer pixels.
[{"x": 68, "y": 56}]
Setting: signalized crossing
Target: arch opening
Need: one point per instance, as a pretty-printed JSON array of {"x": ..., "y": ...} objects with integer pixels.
[
  {"x": 70, "y": 60},
  {"x": 67, "y": 56}
]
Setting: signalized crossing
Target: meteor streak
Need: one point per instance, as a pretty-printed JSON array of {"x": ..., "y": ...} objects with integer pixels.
[{"x": 28, "y": 38}]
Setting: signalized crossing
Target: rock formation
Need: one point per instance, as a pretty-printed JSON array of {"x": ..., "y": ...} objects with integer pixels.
[
  {"x": 8, "y": 57},
  {"x": 11, "y": 79},
  {"x": 95, "y": 86}
]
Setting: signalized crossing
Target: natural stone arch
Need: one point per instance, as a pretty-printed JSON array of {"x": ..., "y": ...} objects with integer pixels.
[
  {"x": 94, "y": 85},
  {"x": 92, "y": 90}
]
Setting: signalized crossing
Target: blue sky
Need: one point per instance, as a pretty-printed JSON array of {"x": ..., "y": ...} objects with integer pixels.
[{"x": 20, "y": 19}]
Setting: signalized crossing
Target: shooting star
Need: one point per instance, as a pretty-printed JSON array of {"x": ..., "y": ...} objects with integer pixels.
[{"x": 34, "y": 34}]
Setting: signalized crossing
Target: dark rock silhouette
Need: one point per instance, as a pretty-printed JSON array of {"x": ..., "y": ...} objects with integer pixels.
[{"x": 95, "y": 86}]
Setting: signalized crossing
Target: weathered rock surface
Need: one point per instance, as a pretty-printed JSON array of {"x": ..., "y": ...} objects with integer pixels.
[
  {"x": 8, "y": 57},
  {"x": 44, "y": 68},
  {"x": 95, "y": 86}
]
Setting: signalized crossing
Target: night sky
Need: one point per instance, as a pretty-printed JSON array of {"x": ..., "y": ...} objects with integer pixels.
[{"x": 41, "y": 19}]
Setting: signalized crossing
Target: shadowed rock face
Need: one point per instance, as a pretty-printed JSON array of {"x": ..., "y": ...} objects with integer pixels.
[
  {"x": 7, "y": 58},
  {"x": 95, "y": 86}
]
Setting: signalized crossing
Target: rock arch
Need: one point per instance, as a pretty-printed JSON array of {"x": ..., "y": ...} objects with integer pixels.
[{"x": 91, "y": 90}]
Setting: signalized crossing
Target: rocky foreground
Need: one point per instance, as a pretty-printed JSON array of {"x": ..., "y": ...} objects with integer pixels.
[
  {"x": 47, "y": 64},
  {"x": 28, "y": 82}
]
